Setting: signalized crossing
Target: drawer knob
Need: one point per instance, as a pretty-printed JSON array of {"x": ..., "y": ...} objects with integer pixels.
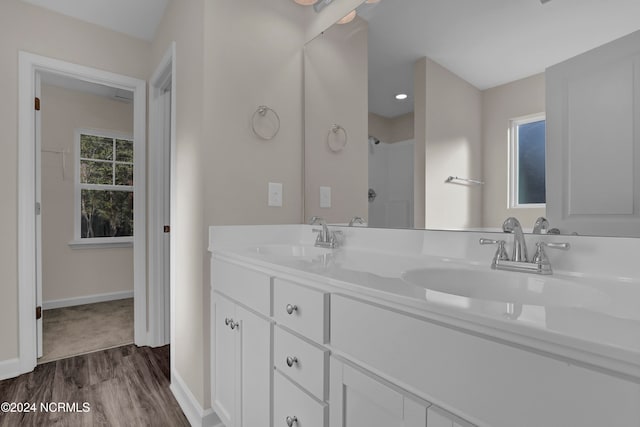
[
  {"x": 292, "y": 361},
  {"x": 230, "y": 323},
  {"x": 291, "y": 308},
  {"x": 291, "y": 421}
]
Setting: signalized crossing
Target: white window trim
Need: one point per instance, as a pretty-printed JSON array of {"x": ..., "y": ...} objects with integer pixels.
[
  {"x": 96, "y": 242},
  {"x": 102, "y": 242},
  {"x": 512, "y": 196}
]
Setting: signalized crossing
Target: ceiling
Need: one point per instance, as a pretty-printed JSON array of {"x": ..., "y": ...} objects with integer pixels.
[
  {"x": 86, "y": 87},
  {"x": 137, "y": 18},
  {"x": 485, "y": 42}
]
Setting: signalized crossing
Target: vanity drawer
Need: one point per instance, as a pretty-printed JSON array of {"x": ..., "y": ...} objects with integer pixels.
[
  {"x": 250, "y": 287},
  {"x": 302, "y": 309},
  {"x": 309, "y": 363},
  {"x": 291, "y": 401}
]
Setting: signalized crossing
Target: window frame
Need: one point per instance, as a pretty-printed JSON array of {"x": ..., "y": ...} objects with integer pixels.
[
  {"x": 78, "y": 241},
  {"x": 513, "y": 160}
]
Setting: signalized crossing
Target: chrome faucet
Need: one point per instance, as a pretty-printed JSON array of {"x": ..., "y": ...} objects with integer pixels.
[
  {"x": 326, "y": 238},
  {"x": 357, "y": 220},
  {"x": 519, "y": 261},
  {"x": 541, "y": 226},
  {"x": 519, "y": 252}
]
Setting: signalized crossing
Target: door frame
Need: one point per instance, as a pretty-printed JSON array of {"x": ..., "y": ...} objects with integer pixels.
[
  {"x": 161, "y": 146},
  {"x": 30, "y": 65}
]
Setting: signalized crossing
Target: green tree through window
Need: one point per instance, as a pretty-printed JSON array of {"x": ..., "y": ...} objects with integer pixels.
[{"x": 106, "y": 186}]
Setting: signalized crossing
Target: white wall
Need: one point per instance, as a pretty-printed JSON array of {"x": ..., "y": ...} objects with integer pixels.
[
  {"x": 37, "y": 30},
  {"x": 335, "y": 78},
  {"x": 451, "y": 130},
  {"x": 183, "y": 22},
  {"x": 499, "y": 105},
  {"x": 395, "y": 129},
  {"x": 231, "y": 57},
  {"x": 69, "y": 273}
]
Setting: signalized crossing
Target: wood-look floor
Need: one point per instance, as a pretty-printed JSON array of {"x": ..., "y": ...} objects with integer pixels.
[{"x": 124, "y": 386}]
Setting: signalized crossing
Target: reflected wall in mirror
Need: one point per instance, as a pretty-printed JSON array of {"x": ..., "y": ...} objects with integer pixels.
[
  {"x": 472, "y": 72},
  {"x": 335, "y": 79}
]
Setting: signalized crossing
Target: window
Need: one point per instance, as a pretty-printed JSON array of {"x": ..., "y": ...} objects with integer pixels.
[
  {"x": 527, "y": 162},
  {"x": 104, "y": 188}
]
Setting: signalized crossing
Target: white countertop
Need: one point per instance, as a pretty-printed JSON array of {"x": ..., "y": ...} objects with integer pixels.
[{"x": 600, "y": 331}]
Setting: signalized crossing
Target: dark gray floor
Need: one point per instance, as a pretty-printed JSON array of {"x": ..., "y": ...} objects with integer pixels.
[{"x": 123, "y": 386}]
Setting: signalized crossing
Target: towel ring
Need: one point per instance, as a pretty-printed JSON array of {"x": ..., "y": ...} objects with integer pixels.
[
  {"x": 261, "y": 112},
  {"x": 334, "y": 141}
]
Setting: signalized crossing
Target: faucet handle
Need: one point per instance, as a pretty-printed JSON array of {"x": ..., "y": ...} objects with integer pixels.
[
  {"x": 484, "y": 241},
  {"x": 316, "y": 220},
  {"x": 501, "y": 252},
  {"x": 541, "y": 259},
  {"x": 554, "y": 245}
]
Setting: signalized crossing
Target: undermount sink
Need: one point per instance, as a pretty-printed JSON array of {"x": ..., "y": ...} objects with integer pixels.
[
  {"x": 504, "y": 286},
  {"x": 290, "y": 251}
]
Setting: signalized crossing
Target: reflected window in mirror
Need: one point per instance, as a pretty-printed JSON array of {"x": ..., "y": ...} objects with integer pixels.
[{"x": 527, "y": 162}]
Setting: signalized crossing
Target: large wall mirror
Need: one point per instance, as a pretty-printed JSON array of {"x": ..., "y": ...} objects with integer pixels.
[{"x": 431, "y": 113}]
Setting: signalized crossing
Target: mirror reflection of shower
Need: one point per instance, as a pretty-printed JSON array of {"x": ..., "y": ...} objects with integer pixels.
[{"x": 391, "y": 180}]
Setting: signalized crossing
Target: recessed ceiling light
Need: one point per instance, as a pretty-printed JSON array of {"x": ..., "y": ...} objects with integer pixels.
[
  {"x": 401, "y": 96},
  {"x": 305, "y": 2}
]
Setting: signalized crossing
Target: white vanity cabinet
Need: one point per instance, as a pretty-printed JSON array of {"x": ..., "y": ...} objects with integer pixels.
[
  {"x": 271, "y": 366},
  {"x": 241, "y": 351},
  {"x": 301, "y": 361},
  {"x": 361, "y": 400},
  {"x": 301, "y": 309},
  {"x": 294, "y": 407},
  {"x": 291, "y": 349}
]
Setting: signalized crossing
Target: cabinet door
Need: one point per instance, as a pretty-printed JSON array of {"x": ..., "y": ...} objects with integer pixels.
[
  {"x": 361, "y": 400},
  {"x": 256, "y": 368},
  {"x": 437, "y": 417},
  {"x": 225, "y": 365},
  {"x": 593, "y": 141}
]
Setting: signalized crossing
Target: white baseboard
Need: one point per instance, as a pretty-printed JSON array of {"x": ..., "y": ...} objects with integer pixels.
[
  {"x": 9, "y": 368},
  {"x": 197, "y": 416},
  {"x": 89, "y": 299}
]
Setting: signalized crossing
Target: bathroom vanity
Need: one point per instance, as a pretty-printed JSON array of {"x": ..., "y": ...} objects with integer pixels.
[{"x": 413, "y": 328}]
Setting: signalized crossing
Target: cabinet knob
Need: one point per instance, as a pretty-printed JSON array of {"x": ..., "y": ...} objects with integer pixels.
[
  {"x": 291, "y": 308},
  {"x": 230, "y": 323},
  {"x": 291, "y": 361},
  {"x": 291, "y": 421}
]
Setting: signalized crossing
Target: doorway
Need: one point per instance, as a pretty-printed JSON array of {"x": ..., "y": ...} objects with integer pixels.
[
  {"x": 29, "y": 222},
  {"x": 391, "y": 183},
  {"x": 85, "y": 242},
  {"x": 162, "y": 137}
]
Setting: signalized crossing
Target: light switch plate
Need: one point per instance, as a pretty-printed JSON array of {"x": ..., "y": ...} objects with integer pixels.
[
  {"x": 325, "y": 197},
  {"x": 275, "y": 194}
]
